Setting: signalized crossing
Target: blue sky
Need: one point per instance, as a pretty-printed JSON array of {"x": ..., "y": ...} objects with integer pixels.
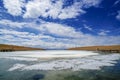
[{"x": 59, "y": 24}]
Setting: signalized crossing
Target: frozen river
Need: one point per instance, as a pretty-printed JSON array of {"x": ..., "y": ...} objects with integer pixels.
[{"x": 48, "y": 65}]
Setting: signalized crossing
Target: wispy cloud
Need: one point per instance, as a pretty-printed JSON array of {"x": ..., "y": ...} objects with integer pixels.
[
  {"x": 59, "y": 30},
  {"x": 88, "y": 27},
  {"x": 103, "y": 32},
  {"x": 53, "y": 36},
  {"x": 10, "y": 23},
  {"x": 118, "y": 16},
  {"x": 89, "y": 3},
  {"x": 116, "y": 2}
]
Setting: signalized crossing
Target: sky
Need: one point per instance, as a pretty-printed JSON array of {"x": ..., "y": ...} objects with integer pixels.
[{"x": 59, "y": 24}]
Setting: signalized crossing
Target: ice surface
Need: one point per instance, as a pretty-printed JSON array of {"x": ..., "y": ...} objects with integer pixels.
[
  {"x": 36, "y": 55},
  {"x": 94, "y": 62},
  {"x": 21, "y": 58},
  {"x": 16, "y": 66}
]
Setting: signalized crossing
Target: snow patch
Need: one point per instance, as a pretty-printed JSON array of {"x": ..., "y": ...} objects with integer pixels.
[
  {"x": 83, "y": 63},
  {"x": 16, "y": 66}
]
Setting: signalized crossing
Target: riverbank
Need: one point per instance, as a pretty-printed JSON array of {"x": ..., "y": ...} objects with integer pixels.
[
  {"x": 10, "y": 48},
  {"x": 105, "y": 49}
]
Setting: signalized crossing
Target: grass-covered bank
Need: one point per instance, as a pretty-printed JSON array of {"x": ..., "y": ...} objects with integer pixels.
[
  {"x": 9, "y": 48},
  {"x": 105, "y": 49}
]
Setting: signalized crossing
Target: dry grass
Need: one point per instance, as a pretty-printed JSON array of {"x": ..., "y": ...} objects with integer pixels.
[
  {"x": 17, "y": 48},
  {"x": 94, "y": 48}
]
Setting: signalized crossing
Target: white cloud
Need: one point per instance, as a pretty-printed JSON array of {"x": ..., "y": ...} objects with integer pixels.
[
  {"x": 5, "y": 31},
  {"x": 10, "y": 23},
  {"x": 26, "y": 38},
  {"x": 45, "y": 28},
  {"x": 46, "y": 8},
  {"x": 89, "y": 3},
  {"x": 46, "y": 39},
  {"x": 14, "y": 7},
  {"x": 50, "y": 35},
  {"x": 59, "y": 30},
  {"x": 103, "y": 32},
  {"x": 88, "y": 27},
  {"x": 71, "y": 11},
  {"x": 43, "y": 8},
  {"x": 118, "y": 16}
]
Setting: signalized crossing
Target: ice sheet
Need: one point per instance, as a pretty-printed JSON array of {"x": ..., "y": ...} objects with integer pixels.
[
  {"x": 94, "y": 62},
  {"x": 36, "y": 55}
]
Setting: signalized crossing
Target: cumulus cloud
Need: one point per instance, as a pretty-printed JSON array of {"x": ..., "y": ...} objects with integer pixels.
[
  {"x": 43, "y": 8},
  {"x": 55, "y": 10},
  {"x": 71, "y": 11},
  {"x": 48, "y": 8},
  {"x": 14, "y": 7}
]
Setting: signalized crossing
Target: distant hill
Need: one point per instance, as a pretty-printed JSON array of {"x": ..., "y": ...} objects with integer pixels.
[
  {"x": 94, "y": 48},
  {"x": 5, "y": 47}
]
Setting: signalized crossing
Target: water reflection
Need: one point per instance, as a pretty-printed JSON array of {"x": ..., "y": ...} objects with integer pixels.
[{"x": 38, "y": 76}]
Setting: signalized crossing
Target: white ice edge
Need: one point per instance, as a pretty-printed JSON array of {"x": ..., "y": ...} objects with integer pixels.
[
  {"x": 36, "y": 55},
  {"x": 89, "y": 63}
]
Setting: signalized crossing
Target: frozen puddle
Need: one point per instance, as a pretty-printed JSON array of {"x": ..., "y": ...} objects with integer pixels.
[{"x": 80, "y": 61}]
